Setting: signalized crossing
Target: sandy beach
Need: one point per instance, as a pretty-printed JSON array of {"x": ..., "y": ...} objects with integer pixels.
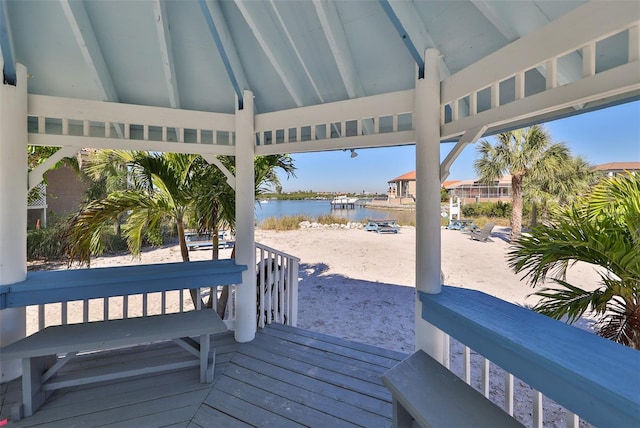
[{"x": 361, "y": 285}]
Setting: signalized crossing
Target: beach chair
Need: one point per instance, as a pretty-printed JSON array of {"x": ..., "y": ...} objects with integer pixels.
[{"x": 483, "y": 234}]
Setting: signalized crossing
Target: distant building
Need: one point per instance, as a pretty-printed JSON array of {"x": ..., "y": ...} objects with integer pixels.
[
  {"x": 402, "y": 189},
  {"x": 471, "y": 191},
  {"x": 614, "y": 168}
]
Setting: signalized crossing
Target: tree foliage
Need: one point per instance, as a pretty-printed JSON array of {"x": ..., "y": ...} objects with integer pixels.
[{"x": 602, "y": 229}]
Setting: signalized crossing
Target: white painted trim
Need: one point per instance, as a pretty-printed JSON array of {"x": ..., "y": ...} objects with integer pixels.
[
  {"x": 212, "y": 159},
  {"x": 125, "y": 144},
  {"x": 593, "y": 21},
  {"x": 620, "y": 80},
  {"x": 360, "y": 142},
  {"x": 99, "y": 111},
  {"x": 469, "y": 137}
]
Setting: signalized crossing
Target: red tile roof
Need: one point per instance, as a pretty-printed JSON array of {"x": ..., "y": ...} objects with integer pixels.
[
  {"x": 409, "y": 176},
  {"x": 619, "y": 166}
]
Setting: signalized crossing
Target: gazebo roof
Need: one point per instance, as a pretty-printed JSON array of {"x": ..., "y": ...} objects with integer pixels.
[{"x": 200, "y": 55}]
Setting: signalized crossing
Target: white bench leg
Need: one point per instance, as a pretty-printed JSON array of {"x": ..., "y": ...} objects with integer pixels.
[{"x": 207, "y": 359}]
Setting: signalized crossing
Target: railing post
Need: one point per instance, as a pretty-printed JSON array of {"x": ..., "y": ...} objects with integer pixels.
[
  {"x": 427, "y": 111},
  {"x": 13, "y": 208}
]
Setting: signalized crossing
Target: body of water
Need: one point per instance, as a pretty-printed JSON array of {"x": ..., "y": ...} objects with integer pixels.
[{"x": 315, "y": 208}]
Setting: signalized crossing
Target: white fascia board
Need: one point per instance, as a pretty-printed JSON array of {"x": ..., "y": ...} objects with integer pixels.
[
  {"x": 268, "y": 37},
  {"x": 82, "y": 29},
  {"x": 618, "y": 81},
  {"x": 225, "y": 44},
  {"x": 593, "y": 21},
  {"x": 410, "y": 19},
  {"x": 166, "y": 52},
  {"x": 98, "y": 111},
  {"x": 122, "y": 144},
  {"x": 334, "y": 33},
  {"x": 390, "y": 139},
  {"x": 340, "y": 111},
  {"x": 569, "y": 70}
]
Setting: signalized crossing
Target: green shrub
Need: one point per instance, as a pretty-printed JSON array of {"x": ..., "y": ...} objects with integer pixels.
[{"x": 283, "y": 223}]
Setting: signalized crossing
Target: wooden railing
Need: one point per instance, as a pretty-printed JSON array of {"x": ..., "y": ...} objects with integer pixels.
[
  {"x": 276, "y": 286},
  {"x": 593, "y": 378},
  {"x": 280, "y": 275}
]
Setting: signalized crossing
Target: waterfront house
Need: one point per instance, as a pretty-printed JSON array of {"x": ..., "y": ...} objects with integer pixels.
[{"x": 245, "y": 78}]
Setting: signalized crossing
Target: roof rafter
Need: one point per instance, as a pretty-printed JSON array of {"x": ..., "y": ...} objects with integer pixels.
[
  {"x": 266, "y": 37},
  {"x": 217, "y": 24},
  {"x": 166, "y": 52},
  {"x": 337, "y": 39},
  {"x": 405, "y": 18},
  {"x": 568, "y": 71},
  {"x": 7, "y": 59},
  {"x": 82, "y": 29}
]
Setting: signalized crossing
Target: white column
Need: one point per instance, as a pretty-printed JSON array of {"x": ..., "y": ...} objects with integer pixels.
[
  {"x": 13, "y": 209},
  {"x": 427, "y": 123},
  {"x": 245, "y": 325}
]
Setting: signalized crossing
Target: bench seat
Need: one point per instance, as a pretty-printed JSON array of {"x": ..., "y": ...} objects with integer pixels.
[
  {"x": 47, "y": 351},
  {"x": 427, "y": 394}
]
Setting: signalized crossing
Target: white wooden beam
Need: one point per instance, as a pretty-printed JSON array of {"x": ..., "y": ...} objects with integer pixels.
[
  {"x": 570, "y": 68},
  {"x": 621, "y": 80},
  {"x": 594, "y": 20},
  {"x": 37, "y": 173},
  {"x": 55, "y": 140},
  {"x": 469, "y": 137},
  {"x": 82, "y": 29},
  {"x": 219, "y": 30},
  {"x": 273, "y": 46},
  {"x": 212, "y": 159},
  {"x": 166, "y": 52},
  {"x": 334, "y": 33}
]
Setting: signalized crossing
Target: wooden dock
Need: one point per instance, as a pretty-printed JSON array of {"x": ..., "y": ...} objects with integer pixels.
[{"x": 285, "y": 377}]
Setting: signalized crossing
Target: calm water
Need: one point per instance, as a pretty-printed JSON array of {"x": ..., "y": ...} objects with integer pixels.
[{"x": 313, "y": 209}]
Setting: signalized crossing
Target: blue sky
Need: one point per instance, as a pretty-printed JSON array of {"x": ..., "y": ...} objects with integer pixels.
[{"x": 607, "y": 135}]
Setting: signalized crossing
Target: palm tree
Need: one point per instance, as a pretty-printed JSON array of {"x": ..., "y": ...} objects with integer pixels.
[
  {"x": 572, "y": 179},
  {"x": 523, "y": 152},
  {"x": 602, "y": 229}
]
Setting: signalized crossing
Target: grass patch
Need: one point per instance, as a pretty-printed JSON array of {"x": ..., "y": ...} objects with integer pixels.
[{"x": 293, "y": 222}]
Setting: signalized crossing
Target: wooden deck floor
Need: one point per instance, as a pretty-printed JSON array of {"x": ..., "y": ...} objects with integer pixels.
[{"x": 285, "y": 377}]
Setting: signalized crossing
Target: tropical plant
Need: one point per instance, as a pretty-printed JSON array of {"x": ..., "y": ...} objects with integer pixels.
[
  {"x": 572, "y": 179},
  {"x": 602, "y": 229},
  {"x": 522, "y": 152}
]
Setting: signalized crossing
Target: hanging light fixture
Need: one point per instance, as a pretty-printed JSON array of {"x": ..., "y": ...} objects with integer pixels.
[{"x": 353, "y": 153}]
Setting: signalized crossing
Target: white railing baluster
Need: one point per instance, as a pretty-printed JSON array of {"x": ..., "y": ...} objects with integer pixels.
[
  {"x": 467, "y": 365},
  {"x": 537, "y": 409},
  {"x": 64, "y": 314},
  {"x": 508, "y": 393},
  {"x": 485, "y": 379},
  {"x": 446, "y": 350},
  {"x": 145, "y": 304},
  {"x": 573, "y": 421}
]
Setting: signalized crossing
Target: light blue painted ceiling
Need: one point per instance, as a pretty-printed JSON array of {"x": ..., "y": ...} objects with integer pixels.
[{"x": 289, "y": 56}]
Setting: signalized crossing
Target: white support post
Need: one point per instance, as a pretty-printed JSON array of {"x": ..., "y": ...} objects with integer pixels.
[
  {"x": 245, "y": 325},
  {"x": 428, "y": 266},
  {"x": 13, "y": 209}
]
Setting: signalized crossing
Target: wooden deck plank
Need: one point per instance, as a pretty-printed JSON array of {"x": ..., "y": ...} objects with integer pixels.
[
  {"x": 328, "y": 405},
  {"x": 389, "y": 353},
  {"x": 278, "y": 404},
  {"x": 169, "y": 418},
  {"x": 245, "y": 411},
  {"x": 209, "y": 417},
  {"x": 343, "y": 393},
  {"x": 339, "y": 349},
  {"x": 347, "y": 366},
  {"x": 376, "y": 390}
]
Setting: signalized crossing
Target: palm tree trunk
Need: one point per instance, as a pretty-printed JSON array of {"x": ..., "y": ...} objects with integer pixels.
[
  {"x": 516, "y": 211},
  {"x": 534, "y": 214}
]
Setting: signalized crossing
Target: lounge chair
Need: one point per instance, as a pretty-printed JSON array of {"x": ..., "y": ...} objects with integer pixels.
[{"x": 483, "y": 234}]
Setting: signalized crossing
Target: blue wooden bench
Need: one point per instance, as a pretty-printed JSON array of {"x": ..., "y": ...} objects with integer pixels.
[{"x": 40, "y": 352}]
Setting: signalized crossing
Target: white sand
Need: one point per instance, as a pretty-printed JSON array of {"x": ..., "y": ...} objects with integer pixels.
[{"x": 360, "y": 286}]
